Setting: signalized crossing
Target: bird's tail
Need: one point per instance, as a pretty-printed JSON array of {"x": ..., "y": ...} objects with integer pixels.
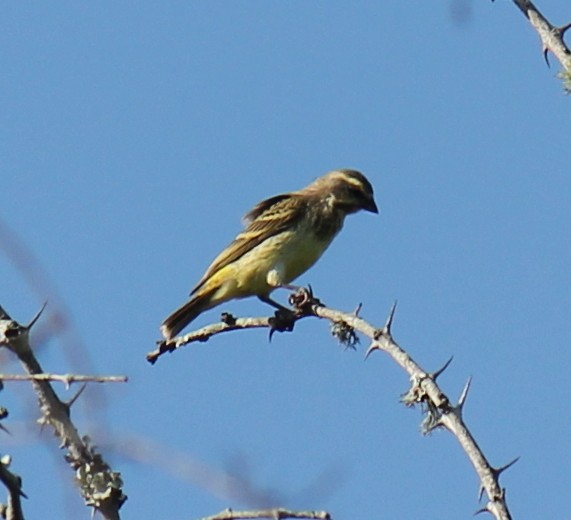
[{"x": 180, "y": 318}]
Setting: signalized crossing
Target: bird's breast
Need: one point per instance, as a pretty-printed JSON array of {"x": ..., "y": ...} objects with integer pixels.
[{"x": 279, "y": 260}]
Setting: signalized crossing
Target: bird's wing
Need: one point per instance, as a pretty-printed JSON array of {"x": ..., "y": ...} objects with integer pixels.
[
  {"x": 260, "y": 207},
  {"x": 266, "y": 219}
]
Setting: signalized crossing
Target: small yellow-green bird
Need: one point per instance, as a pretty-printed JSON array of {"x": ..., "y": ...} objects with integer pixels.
[{"x": 284, "y": 236}]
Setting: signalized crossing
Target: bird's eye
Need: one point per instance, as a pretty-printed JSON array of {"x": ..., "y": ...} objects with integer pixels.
[{"x": 355, "y": 192}]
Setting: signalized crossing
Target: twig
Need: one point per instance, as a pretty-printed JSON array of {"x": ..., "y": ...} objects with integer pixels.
[
  {"x": 67, "y": 379},
  {"x": 100, "y": 487},
  {"x": 276, "y": 514},
  {"x": 424, "y": 390},
  {"x": 205, "y": 333}
]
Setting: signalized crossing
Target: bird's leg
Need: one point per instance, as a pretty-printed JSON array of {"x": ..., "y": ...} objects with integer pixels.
[
  {"x": 273, "y": 303},
  {"x": 299, "y": 297}
]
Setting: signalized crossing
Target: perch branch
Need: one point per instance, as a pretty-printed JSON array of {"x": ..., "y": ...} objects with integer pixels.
[
  {"x": 205, "y": 333},
  {"x": 424, "y": 390}
]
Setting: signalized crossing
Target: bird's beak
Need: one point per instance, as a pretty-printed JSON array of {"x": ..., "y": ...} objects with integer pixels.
[{"x": 371, "y": 206}]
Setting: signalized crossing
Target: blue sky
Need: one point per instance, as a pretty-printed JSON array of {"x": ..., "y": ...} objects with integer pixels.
[{"x": 135, "y": 136}]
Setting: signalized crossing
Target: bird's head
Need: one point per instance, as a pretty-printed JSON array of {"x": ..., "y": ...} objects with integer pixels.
[{"x": 347, "y": 190}]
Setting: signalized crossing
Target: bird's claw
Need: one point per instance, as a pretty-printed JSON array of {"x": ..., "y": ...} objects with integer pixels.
[
  {"x": 302, "y": 298},
  {"x": 228, "y": 318},
  {"x": 302, "y": 301},
  {"x": 282, "y": 321}
]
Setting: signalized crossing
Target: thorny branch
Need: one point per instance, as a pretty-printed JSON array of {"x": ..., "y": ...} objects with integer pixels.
[
  {"x": 13, "y": 483},
  {"x": 205, "y": 333},
  {"x": 100, "y": 487},
  {"x": 424, "y": 390},
  {"x": 551, "y": 38}
]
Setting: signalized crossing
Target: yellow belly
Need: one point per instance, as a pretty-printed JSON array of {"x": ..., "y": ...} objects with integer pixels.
[{"x": 277, "y": 260}]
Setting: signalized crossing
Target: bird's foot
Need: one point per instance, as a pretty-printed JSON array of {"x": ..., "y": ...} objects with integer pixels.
[
  {"x": 228, "y": 319},
  {"x": 283, "y": 320},
  {"x": 303, "y": 299}
]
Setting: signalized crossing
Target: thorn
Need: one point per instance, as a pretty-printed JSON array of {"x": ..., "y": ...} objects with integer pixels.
[
  {"x": 480, "y": 511},
  {"x": 358, "y": 310},
  {"x": 372, "y": 346},
  {"x": 480, "y": 492},
  {"x": 436, "y": 375},
  {"x": 464, "y": 394},
  {"x": 500, "y": 470},
  {"x": 545, "y": 56},
  {"x": 562, "y": 30},
  {"x": 69, "y": 404},
  {"x": 389, "y": 322},
  {"x": 4, "y": 315},
  {"x": 37, "y": 316}
]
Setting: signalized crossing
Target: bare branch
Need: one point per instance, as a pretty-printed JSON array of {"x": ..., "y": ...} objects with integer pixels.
[
  {"x": 67, "y": 379},
  {"x": 205, "y": 333},
  {"x": 13, "y": 483},
  {"x": 424, "y": 390},
  {"x": 276, "y": 514},
  {"x": 100, "y": 487},
  {"x": 551, "y": 38}
]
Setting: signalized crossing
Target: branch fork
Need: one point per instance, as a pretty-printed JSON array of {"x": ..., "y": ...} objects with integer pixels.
[{"x": 100, "y": 487}]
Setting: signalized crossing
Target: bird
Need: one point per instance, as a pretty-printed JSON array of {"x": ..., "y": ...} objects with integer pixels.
[{"x": 283, "y": 237}]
